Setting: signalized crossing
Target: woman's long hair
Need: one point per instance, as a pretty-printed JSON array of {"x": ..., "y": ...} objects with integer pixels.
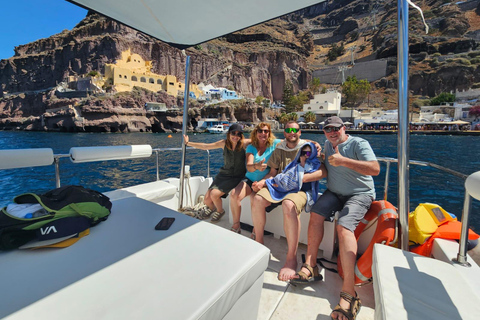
[
  {"x": 240, "y": 143},
  {"x": 253, "y": 135}
]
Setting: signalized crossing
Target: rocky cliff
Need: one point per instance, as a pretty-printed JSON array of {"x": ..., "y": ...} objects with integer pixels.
[
  {"x": 97, "y": 40},
  {"x": 256, "y": 62}
]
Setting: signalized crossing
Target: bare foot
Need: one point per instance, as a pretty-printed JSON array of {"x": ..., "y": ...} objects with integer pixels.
[{"x": 288, "y": 270}]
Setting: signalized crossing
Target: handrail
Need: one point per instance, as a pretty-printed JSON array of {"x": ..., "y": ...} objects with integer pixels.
[
  {"x": 467, "y": 207},
  {"x": 56, "y": 161}
]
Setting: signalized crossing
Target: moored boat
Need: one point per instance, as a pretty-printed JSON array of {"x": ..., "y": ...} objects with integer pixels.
[{"x": 218, "y": 129}]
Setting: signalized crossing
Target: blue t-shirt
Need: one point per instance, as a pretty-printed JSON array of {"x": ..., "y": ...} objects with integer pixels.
[{"x": 258, "y": 175}]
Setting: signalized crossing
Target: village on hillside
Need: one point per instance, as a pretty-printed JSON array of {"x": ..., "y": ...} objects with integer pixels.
[{"x": 131, "y": 71}]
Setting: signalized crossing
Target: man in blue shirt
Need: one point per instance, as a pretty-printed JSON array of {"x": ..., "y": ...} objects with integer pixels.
[{"x": 350, "y": 164}]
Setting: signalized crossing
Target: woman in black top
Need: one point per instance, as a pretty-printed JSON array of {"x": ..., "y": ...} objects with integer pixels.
[{"x": 232, "y": 172}]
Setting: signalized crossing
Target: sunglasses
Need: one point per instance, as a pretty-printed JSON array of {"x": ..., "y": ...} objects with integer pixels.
[
  {"x": 263, "y": 131},
  {"x": 290, "y": 130},
  {"x": 305, "y": 153},
  {"x": 330, "y": 129},
  {"x": 236, "y": 133}
]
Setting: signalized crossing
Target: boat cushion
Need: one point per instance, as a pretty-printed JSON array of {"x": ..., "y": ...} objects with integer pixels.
[
  {"x": 125, "y": 269},
  {"x": 151, "y": 191},
  {"x": 410, "y": 286}
]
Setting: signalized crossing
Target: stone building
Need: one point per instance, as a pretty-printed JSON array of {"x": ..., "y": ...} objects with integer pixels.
[{"x": 131, "y": 70}]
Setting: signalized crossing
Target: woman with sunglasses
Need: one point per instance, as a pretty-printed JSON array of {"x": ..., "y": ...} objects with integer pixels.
[
  {"x": 263, "y": 142},
  {"x": 232, "y": 172}
]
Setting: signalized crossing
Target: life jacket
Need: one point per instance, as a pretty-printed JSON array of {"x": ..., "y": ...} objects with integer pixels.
[
  {"x": 429, "y": 222},
  {"x": 450, "y": 230},
  {"x": 424, "y": 221}
]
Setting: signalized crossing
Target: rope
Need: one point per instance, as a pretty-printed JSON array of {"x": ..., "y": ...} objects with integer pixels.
[{"x": 190, "y": 208}]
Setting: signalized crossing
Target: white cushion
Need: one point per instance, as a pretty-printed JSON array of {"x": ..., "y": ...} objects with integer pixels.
[
  {"x": 21, "y": 158},
  {"x": 127, "y": 270},
  {"x": 410, "y": 286},
  {"x": 151, "y": 191}
]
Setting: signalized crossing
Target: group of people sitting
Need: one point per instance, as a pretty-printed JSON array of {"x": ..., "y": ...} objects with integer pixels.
[{"x": 286, "y": 172}]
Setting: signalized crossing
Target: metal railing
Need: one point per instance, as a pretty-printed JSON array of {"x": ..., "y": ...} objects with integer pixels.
[
  {"x": 462, "y": 251},
  {"x": 57, "y": 157}
]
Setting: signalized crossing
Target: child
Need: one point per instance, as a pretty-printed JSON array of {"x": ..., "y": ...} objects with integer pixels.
[{"x": 290, "y": 180}]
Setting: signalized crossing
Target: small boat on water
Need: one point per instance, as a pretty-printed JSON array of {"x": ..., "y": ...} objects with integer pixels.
[
  {"x": 125, "y": 269},
  {"x": 218, "y": 129}
]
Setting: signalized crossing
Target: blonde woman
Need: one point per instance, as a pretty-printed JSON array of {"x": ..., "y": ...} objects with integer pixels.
[
  {"x": 262, "y": 144},
  {"x": 232, "y": 172}
]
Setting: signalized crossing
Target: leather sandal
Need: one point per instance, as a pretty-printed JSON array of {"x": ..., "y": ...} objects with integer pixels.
[
  {"x": 303, "y": 278},
  {"x": 217, "y": 216},
  {"x": 236, "y": 230},
  {"x": 355, "y": 305}
]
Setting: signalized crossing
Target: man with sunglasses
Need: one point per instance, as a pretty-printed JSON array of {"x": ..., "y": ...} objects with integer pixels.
[
  {"x": 350, "y": 163},
  {"x": 292, "y": 203}
]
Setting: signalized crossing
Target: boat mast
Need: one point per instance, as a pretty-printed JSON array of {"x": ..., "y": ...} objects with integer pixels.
[
  {"x": 184, "y": 128},
  {"x": 403, "y": 125}
]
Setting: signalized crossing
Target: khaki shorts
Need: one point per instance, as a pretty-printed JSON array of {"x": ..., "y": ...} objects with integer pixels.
[{"x": 299, "y": 198}]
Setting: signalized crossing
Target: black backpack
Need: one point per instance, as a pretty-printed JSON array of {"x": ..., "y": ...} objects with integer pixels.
[{"x": 67, "y": 207}]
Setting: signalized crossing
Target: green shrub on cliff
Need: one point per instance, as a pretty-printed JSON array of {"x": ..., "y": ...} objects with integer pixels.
[{"x": 441, "y": 98}]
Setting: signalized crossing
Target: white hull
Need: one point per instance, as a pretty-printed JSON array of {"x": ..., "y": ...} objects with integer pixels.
[{"x": 218, "y": 129}]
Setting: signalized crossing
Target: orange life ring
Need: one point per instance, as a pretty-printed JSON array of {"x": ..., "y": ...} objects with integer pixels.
[{"x": 385, "y": 233}]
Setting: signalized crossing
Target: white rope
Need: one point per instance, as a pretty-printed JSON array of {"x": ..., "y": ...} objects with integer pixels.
[
  {"x": 421, "y": 13},
  {"x": 191, "y": 209}
]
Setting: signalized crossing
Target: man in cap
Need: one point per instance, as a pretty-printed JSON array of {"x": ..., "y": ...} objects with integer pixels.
[
  {"x": 292, "y": 204},
  {"x": 350, "y": 164}
]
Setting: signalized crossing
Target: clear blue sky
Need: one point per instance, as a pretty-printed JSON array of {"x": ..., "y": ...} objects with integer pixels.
[{"x": 24, "y": 21}]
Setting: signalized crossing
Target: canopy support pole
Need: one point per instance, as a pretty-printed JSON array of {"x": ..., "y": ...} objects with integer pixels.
[
  {"x": 403, "y": 127},
  {"x": 184, "y": 129}
]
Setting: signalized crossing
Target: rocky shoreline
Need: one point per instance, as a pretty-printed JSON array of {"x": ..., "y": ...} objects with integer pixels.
[{"x": 119, "y": 113}]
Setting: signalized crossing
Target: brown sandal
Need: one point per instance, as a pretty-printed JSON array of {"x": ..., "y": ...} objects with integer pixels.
[
  {"x": 355, "y": 305},
  {"x": 304, "y": 278}
]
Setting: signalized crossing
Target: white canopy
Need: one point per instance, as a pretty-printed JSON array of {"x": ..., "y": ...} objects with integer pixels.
[{"x": 185, "y": 23}]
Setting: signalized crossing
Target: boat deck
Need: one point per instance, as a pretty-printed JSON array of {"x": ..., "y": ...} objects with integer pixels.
[{"x": 281, "y": 300}]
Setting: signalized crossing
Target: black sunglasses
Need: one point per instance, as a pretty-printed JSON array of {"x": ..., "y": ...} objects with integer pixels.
[
  {"x": 330, "y": 129},
  {"x": 305, "y": 153},
  {"x": 290, "y": 130},
  {"x": 263, "y": 131},
  {"x": 236, "y": 133}
]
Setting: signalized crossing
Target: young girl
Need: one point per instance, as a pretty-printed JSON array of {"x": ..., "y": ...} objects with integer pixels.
[
  {"x": 290, "y": 180},
  {"x": 232, "y": 172}
]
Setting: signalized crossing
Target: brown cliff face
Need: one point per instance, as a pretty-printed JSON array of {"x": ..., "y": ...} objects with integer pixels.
[
  {"x": 256, "y": 62},
  {"x": 97, "y": 40},
  {"x": 38, "y": 67}
]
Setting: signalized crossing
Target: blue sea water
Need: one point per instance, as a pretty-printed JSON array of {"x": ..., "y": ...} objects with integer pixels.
[{"x": 460, "y": 153}]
